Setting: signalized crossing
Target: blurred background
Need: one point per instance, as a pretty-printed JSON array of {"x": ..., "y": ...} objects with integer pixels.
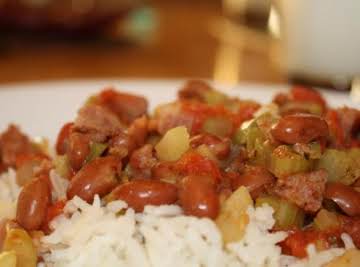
[{"x": 230, "y": 41}]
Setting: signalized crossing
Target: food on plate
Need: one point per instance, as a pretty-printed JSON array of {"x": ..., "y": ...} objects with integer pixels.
[{"x": 206, "y": 180}]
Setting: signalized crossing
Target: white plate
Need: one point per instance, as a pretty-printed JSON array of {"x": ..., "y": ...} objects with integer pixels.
[{"x": 42, "y": 108}]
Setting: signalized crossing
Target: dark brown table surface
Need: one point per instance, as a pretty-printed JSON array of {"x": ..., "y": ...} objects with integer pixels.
[{"x": 184, "y": 46}]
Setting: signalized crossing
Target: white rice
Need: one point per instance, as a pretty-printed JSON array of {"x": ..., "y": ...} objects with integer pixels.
[
  {"x": 59, "y": 186},
  {"x": 9, "y": 192},
  {"x": 111, "y": 235}
]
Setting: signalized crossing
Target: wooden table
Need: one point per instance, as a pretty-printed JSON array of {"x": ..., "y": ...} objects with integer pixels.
[{"x": 184, "y": 46}]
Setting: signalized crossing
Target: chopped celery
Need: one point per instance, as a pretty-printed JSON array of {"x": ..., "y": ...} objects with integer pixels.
[
  {"x": 233, "y": 218},
  {"x": 8, "y": 259},
  {"x": 96, "y": 150},
  {"x": 174, "y": 144},
  {"x": 284, "y": 161},
  {"x": 248, "y": 136},
  {"x": 62, "y": 166},
  {"x": 262, "y": 153},
  {"x": 214, "y": 97},
  {"x": 341, "y": 166},
  {"x": 219, "y": 126},
  {"x": 240, "y": 136},
  {"x": 326, "y": 220},
  {"x": 315, "y": 150},
  {"x": 256, "y": 130},
  {"x": 287, "y": 215},
  {"x": 19, "y": 241}
]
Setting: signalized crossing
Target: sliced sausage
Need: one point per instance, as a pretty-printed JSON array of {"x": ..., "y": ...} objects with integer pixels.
[
  {"x": 97, "y": 177},
  {"x": 13, "y": 143},
  {"x": 97, "y": 119},
  {"x": 32, "y": 205},
  {"x": 194, "y": 90},
  {"x": 124, "y": 143},
  {"x": 304, "y": 189},
  {"x": 142, "y": 160},
  {"x": 127, "y": 107},
  {"x": 139, "y": 193},
  {"x": 300, "y": 128}
]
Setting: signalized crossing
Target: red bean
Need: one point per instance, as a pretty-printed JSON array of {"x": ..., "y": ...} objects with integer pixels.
[
  {"x": 198, "y": 196},
  {"x": 345, "y": 197},
  {"x": 219, "y": 147},
  {"x": 139, "y": 193},
  {"x": 255, "y": 178},
  {"x": 32, "y": 204},
  {"x": 97, "y": 177},
  {"x": 78, "y": 150},
  {"x": 62, "y": 141},
  {"x": 300, "y": 128}
]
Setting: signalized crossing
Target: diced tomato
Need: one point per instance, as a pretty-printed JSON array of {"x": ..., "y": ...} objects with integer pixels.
[
  {"x": 63, "y": 137},
  {"x": 305, "y": 94},
  {"x": 297, "y": 241},
  {"x": 193, "y": 163},
  {"x": 200, "y": 112},
  {"x": 336, "y": 131},
  {"x": 53, "y": 211}
]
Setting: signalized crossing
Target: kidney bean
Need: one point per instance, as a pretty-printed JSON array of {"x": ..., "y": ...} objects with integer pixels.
[
  {"x": 97, "y": 177},
  {"x": 300, "y": 128},
  {"x": 254, "y": 178},
  {"x": 219, "y": 147},
  {"x": 345, "y": 197},
  {"x": 198, "y": 196},
  {"x": 32, "y": 205},
  {"x": 139, "y": 193},
  {"x": 79, "y": 149},
  {"x": 62, "y": 141}
]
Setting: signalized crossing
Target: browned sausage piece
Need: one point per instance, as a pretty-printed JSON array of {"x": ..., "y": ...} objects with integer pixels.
[
  {"x": 32, "y": 205},
  {"x": 345, "y": 197},
  {"x": 127, "y": 107},
  {"x": 255, "y": 178},
  {"x": 97, "y": 120},
  {"x": 300, "y": 128},
  {"x": 141, "y": 161},
  {"x": 198, "y": 196},
  {"x": 97, "y": 177},
  {"x": 124, "y": 143},
  {"x": 13, "y": 143},
  {"x": 194, "y": 90},
  {"x": 304, "y": 189},
  {"x": 139, "y": 193},
  {"x": 78, "y": 150}
]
